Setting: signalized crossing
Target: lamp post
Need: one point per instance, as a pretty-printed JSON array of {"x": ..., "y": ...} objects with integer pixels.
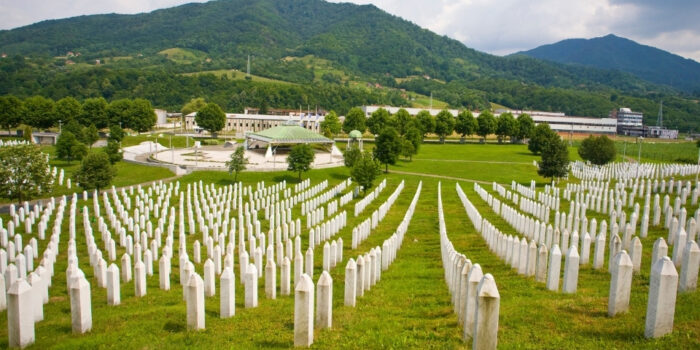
[
  {"x": 640, "y": 139},
  {"x": 172, "y": 152}
]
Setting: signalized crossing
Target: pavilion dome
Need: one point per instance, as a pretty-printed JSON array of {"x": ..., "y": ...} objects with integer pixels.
[{"x": 355, "y": 134}]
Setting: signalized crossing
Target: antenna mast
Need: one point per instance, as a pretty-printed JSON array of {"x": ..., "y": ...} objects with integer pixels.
[
  {"x": 248, "y": 70},
  {"x": 660, "y": 118}
]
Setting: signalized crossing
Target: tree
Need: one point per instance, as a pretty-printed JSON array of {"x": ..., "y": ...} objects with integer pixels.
[
  {"x": 407, "y": 149},
  {"x": 486, "y": 124},
  {"x": 24, "y": 172},
  {"x": 402, "y": 120},
  {"x": 331, "y": 124},
  {"x": 10, "y": 112},
  {"x": 116, "y": 133},
  {"x": 378, "y": 120},
  {"x": 426, "y": 122},
  {"x": 39, "y": 112},
  {"x": 68, "y": 109},
  {"x": 300, "y": 158},
  {"x": 96, "y": 172},
  {"x": 526, "y": 126},
  {"x": 119, "y": 112},
  {"x": 506, "y": 126},
  {"x": 351, "y": 155},
  {"x": 114, "y": 153},
  {"x": 444, "y": 124},
  {"x": 64, "y": 145},
  {"x": 142, "y": 117},
  {"x": 211, "y": 118},
  {"x": 387, "y": 147},
  {"x": 237, "y": 163},
  {"x": 539, "y": 137},
  {"x": 365, "y": 171},
  {"x": 466, "y": 124},
  {"x": 354, "y": 120},
  {"x": 598, "y": 150},
  {"x": 78, "y": 150},
  {"x": 555, "y": 158},
  {"x": 194, "y": 105},
  {"x": 94, "y": 110},
  {"x": 413, "y": 134},
  {"x": 90, "y": 135},
  {"x": 74, "y": 128}
]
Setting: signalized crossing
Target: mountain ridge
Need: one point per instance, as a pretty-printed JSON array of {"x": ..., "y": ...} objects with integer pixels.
[{"x": 617, "y": 53}]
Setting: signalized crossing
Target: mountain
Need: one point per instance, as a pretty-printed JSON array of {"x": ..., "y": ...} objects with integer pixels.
[
  {"x": 330, "y": 55},
  {"x": 613, "y": 52},
  {"x": 362, "y": 40}
]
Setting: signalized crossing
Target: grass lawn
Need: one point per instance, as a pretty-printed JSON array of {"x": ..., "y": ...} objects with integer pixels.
[{"x": 409, "y": 308}]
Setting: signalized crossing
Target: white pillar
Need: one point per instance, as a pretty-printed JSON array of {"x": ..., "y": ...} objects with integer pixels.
[
  {"x": 140, "y": 279},
  {"x": 227, "y": 293},
  {"x": 113, "y": 285},
  {"x": 324, "y": 301},
  {"x": 620, "y": 284},
  {"x": 251, "y": 286},
  {"x": 689, "y": 267},
  {"x": 486, "y": 316},
  {"x": 195, "y": 302},
  {"x": 271, "y": 279},
  {"x": 20, "y": 319},
  {"x": 80, "y": 306},
  {"x": 554, "y": 269},
  {"x": 661, "y": 307},
  {"x": 304, "y": 312},
  {"x": 350, "y": 282}
]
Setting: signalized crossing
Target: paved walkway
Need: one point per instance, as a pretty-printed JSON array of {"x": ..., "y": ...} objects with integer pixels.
[
  {"x": 440, "y": 176},
  {"x": 471, "y": 161}
]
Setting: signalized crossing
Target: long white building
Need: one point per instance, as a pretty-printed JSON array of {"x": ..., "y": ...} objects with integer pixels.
[
  {"x": 562, "y": 123},
  {"x": 242, "y": 123},
  {"x": 411, "y": 111}
]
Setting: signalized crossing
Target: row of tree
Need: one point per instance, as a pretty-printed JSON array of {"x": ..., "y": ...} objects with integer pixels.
[
  {"x": 43, "y": 113},
  {"x": 442, "y": 125}
]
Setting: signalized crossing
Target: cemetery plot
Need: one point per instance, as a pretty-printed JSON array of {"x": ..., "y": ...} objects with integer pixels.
[{"x": 170, "y": 258}]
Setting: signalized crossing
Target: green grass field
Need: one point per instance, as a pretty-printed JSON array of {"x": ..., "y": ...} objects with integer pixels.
[
  {"x": 183, "y": 56},
  {"x": 409, "y": 308},
  {"x": 238, "y": 75}
]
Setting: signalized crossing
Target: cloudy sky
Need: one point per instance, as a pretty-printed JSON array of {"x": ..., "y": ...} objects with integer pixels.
[{"x": 495, "y": 26}]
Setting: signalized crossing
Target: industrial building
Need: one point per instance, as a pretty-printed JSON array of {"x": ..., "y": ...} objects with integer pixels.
[{"x": 562, "y": 123}]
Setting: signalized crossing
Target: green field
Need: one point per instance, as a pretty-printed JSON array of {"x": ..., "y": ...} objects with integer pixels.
[
  {"x": 409, "y": 308},
  {"x": 235, "y": 74},
  {"x": 183, "y": 56}
]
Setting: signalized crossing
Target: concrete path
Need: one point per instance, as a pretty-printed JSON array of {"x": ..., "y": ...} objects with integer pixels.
[{"x": 440, "y": 177}]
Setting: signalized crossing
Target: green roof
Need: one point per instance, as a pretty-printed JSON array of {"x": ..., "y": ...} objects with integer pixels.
[
  {"x": 355, "y": 134},
  {"x": 288, "y": 134}
]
